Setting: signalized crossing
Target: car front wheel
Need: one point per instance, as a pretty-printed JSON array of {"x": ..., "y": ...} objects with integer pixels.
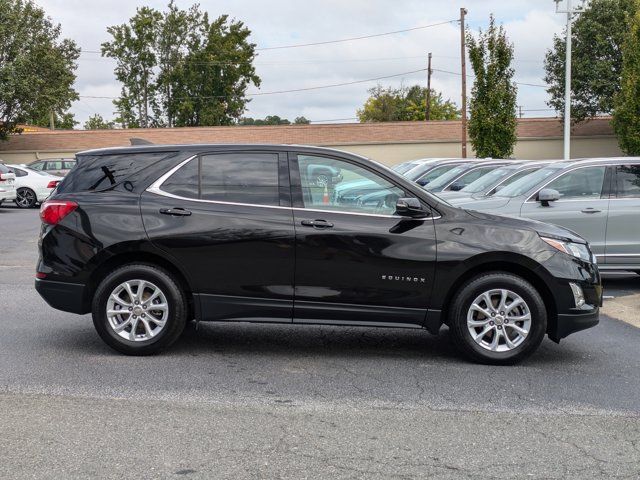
[
  {"x": 497, "y": 318},
  {"x": 139, "y": 309}
]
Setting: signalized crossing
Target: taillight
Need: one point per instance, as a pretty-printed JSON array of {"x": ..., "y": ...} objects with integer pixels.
[
  {"x": 53, "y": 183},
  {"x": 53, "y": 211}
]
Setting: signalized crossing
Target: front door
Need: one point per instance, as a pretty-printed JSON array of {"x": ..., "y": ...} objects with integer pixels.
[
  {"x": 583, "y": 205},
  {"x": 226, "y": 220},
  {"x": 357, "y": 262}
]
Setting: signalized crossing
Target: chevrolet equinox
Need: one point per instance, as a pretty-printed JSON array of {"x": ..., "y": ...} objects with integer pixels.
[{"x": 148, "y": 238}]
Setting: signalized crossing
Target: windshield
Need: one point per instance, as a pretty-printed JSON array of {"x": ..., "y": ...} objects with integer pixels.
[
  {"x": 487, "y": 181},
  {"x": 432, "y": 174},
  {"x": 523, "y": 185},
  {"x": 404, "y": 167},
  {"x": 447, "y": 177}
]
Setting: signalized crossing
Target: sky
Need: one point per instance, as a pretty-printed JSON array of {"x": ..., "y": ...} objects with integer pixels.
[{"x": 530, "y": 25}]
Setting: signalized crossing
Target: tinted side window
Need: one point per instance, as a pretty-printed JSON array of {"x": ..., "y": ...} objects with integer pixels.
[
  {"x": 68, "y": 165},
  {"x": 628, "y": 180},
  {"x": 18, "y": 172},
  {"x": 582, "y": 183},
  {"x": 99, "y": 172},
  {"x": 240, "y": 177},
  {"x": 37, "y": 166},
  {"x": 184, "y": 182}
]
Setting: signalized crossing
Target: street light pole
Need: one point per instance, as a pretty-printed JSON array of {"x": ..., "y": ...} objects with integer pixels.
[
  {"x": 567, "y": 88},
  {"x": 570, "y": 10}
]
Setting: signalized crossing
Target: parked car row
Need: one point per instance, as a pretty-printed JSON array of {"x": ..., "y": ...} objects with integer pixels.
[{"x": 597, "y": 198}]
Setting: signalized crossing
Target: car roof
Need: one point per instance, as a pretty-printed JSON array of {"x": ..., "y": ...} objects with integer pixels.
[{"x": 200, "y": 147}]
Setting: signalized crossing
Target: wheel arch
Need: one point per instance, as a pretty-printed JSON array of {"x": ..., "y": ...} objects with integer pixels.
[
  {"x": 139, "y": 257},
  {"x": 507, "y": 262}
]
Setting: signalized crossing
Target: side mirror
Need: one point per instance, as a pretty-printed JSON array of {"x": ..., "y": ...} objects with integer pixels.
[
  {"x": 422, "y": 182},
  {"x": 410, "y": 207},
  {"x": 457, "y": 186},
  {"x": 547, "y": 195}
]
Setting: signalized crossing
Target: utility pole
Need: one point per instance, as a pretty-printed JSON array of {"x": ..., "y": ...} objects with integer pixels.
[
  {"x": 463, "y": 49},
  {"x": 427, "y": 113},
  {"x": 520, "y": 110},
  {"x": 570, "y": 11},
  {"x": 52, "y": 121}
]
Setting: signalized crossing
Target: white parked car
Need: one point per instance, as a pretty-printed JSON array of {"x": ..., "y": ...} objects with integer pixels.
[
  {"x": 32, "y": 187},
  {"x": 7, "y": 184}
]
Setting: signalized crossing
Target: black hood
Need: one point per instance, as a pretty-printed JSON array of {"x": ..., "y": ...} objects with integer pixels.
[{"x": 542, "y": 228}]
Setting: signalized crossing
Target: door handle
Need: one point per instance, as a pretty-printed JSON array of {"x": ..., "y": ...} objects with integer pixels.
[
  {"x": 591, "y": 210},
  {"x": 317, "y": 224},
  {"x": 175, "y": 212}
]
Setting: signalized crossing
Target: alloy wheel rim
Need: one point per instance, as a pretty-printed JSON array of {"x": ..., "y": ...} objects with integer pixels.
[
  {"x": 137, "y": 310},
  {"x": 24, "y": 198},
  {"x": 499, "y": 320}
]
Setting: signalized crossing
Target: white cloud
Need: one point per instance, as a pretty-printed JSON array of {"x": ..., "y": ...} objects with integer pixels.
[{"x": 530, "y": 25}]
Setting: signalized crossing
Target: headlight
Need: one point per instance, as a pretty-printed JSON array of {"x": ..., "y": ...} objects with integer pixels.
[{"x": 578, "y": 250}]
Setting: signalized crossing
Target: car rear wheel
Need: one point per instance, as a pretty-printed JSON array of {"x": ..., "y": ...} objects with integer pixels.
[
  {"x": 26, "y": 198},
  {"x": 497, "y": 318},
  {"x": 139, "y": 309}
]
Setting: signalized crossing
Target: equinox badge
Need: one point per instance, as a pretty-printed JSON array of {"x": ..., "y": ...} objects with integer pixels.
[{"x": 398, "y": 278}]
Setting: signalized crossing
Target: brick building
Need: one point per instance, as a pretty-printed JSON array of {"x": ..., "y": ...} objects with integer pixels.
[{"x": 390, "y": 143}]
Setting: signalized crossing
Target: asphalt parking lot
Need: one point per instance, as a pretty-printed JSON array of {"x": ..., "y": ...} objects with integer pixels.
[{"x": 250, "y": 401}]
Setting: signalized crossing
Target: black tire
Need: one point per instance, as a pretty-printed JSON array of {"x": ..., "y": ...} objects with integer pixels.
[
  {"x": 461, "y": 304},
  {"x": 29, "y": 197},
  {"x": 177, "y": 313}
]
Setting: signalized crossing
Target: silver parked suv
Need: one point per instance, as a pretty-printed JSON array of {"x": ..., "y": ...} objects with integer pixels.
[{"x": 597, "y": 198}]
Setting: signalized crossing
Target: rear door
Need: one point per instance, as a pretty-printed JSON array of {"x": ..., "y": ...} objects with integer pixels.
[
  {"x": 623, "y": 226},
  {"x": 357, "y": 262},
  {"x": 226, "y": 219},
  {"x": 583, "y": 205}
]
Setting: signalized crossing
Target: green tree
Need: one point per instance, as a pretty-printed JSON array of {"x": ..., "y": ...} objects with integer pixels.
[
  {"x": 178, "y": 68},
  {"x": 96, "y": 122},
  {"x": 37, "y": 67},
  {"x": 626, "y": 114},
  {"x": 210, "y": 84},
  {"x": 61, "y": 121},
  {"x": 597, "y": 37},
  {"x": 301, "y": 121},
  {"x": 133, "y": 49},
  {"x": 492, "y": 106},
  {"x": 268, "y": 120},
  {"x": 388, "y": 104}
]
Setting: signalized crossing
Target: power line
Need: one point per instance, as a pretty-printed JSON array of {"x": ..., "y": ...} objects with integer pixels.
[
  {"x": 356, "y": 38},
  {"x": 326, "y": 42},
  {"x": 277, "y": 92},
  {"x": 517, "y": 83}
]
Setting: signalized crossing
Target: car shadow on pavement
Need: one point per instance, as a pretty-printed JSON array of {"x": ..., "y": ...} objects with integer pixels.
[{"x": 212, "y": 339}]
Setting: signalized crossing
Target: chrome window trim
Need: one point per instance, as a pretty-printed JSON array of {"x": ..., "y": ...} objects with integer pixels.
[
  {"x": 618, "y": 255},
  {"x": 155, "y": 189},
  {"x": 537, "y": 190}
]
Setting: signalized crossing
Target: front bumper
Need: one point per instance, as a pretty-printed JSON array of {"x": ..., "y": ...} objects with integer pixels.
[
  {"x": 68, "y": 297},
  {"x": 574, "y": 319}
]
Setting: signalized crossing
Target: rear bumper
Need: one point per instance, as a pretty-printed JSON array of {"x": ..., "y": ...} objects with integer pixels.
[{"x": 68, "y": 297}]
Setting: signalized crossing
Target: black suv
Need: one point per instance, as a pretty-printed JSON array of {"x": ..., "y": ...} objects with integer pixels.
[{"x": 148, "y": 238}]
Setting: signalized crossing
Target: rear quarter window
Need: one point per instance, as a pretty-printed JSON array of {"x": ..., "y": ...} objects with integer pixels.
[{"x": 102, "y": 172}]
